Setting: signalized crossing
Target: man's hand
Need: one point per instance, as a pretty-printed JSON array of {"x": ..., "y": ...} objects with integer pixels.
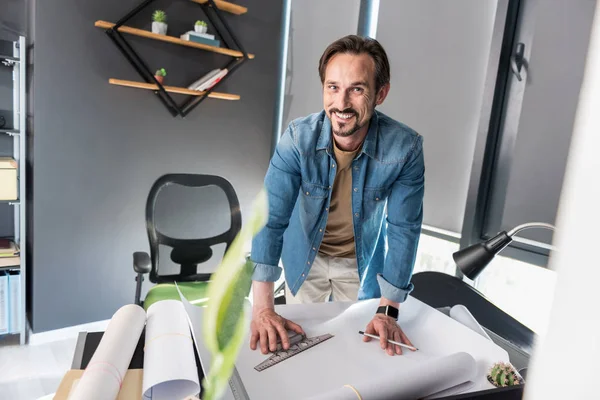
[
  {"x": 387, "y": 328},
  {"x": 266, "y": 326}
]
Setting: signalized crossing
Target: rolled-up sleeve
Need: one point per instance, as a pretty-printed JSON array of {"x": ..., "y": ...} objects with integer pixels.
[
  {"x": 282, "y": 183},
  {"x": 404, "y": 220}
]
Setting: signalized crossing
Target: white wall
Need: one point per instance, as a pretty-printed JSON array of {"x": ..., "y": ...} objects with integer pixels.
[{"x": 564, "y": 364}]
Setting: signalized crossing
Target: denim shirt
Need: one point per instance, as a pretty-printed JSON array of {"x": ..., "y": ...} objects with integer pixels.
[{"x": 387, "y": 205}]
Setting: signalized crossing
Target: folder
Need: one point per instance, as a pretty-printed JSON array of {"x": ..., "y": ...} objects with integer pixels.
[
  {"x": 3, "y": 303},
  {"x": 14, "y": 301}
]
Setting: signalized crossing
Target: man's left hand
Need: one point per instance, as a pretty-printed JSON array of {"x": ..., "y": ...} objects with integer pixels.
[{"x": 387, "y": 328}]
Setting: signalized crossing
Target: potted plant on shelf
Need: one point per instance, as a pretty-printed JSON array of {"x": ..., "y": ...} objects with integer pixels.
[
  {"x": 200, "y": 26},
  {"x": 159, "y": 22},
  {"x": 160, "y": 75}
]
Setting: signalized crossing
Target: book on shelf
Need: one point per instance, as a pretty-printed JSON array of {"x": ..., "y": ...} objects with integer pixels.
[
  {"x": 208, "y": 80},
  {"x": 14, "y": 301},
  {"x": 203, "y": 35},
  {"x": 193, "y": 37}
]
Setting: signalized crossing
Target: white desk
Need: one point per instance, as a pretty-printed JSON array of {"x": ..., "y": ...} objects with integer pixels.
[{"x": 346, "y": 358}]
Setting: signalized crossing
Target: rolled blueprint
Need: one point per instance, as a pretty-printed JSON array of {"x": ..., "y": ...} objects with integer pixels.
[
  {"x": 170, "y": 370},
  {"x": 104, "y": 374},
  {"x": 423, "y": 380}
]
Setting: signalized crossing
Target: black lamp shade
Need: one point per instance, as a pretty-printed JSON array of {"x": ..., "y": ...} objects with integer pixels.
[{"x": 473, "y": 259}]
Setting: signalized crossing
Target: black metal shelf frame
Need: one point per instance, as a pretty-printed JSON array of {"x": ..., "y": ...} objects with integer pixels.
[{"x": 221, "y": 26}]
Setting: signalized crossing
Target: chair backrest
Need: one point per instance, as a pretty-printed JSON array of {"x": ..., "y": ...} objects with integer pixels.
[{"x": 182, "y": 213}]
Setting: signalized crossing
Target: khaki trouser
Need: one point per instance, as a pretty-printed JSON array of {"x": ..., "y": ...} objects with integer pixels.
[{"x": 329, "y": 278}]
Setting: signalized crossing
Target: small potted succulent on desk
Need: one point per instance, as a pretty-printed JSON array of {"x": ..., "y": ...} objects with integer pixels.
[
  {"x": 159, "y": 22},
  {"x": 200, "y": 26},
  {"x": 160, "y": 75}
]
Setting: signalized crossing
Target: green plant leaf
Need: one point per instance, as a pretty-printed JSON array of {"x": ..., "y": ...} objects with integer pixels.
[
  {"x": 224, "y": 321},
  {"x": 159, "y": 16}
]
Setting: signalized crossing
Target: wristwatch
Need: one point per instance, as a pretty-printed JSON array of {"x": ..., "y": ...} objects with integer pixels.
[{"x": 390, "y": 311}]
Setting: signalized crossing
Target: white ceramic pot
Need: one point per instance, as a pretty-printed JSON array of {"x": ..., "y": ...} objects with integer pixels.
[
  {"x": 159, "y": 27},
  {"x": 200, "y": 28}
]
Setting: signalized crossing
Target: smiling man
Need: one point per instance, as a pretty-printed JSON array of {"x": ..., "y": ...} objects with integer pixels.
[{"x": 345, "y": 189}]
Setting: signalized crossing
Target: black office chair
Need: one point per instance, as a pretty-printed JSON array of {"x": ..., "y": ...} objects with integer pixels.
[{"x": 183, "y": 214}]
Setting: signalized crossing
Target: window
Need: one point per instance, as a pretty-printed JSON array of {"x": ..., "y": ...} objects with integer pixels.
[
  {"x": 435, "y": 254},
  {"x": 524, "y": 291}
]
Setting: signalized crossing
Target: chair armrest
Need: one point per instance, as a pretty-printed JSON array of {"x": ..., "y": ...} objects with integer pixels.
[{"x": 141, "y": 262}]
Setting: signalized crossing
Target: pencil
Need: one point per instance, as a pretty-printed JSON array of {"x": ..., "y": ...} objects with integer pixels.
[{"x": 389, "y": 341}]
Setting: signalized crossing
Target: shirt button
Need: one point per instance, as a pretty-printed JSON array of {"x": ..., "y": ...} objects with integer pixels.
[
  {"x": 376, "y": 198},
  {"x": 326, "y": 208},
  {"x": 356, "y": 189},
  {"x": 356, "y": 168},
  {"x": 307, "y": 193},
  {"x": 302, "y": 275},
  {"x": 332, "y": 165},
  {"x": 308, "y": 262},
  {"x": 320, "y": 230},
  {"x": 314, "y": 249},
  {"x": 356, "y": 214}
]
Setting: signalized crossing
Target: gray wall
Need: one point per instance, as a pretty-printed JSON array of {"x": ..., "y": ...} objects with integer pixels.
[
  {"x": 312, "y": 29},
  {"x": 13, "y": 18},
  {"x": 98, "y": 148}
]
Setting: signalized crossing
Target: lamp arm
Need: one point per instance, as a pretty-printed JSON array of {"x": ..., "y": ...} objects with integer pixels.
[{"x": 528, "y": 225}]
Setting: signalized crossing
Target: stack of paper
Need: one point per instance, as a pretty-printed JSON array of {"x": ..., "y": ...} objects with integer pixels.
[
  {"x": 8, "y": 248},
  {"x": 209, "y": 80},
  {"x": 170, "y": 371},
  {"x": 451, "y": 357}
]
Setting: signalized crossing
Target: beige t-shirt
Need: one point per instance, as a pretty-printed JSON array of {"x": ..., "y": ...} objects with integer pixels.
[{"x": 338, "y": 240}]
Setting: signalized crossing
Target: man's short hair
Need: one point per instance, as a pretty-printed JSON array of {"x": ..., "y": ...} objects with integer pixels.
[{"x": 353, "y": 44}]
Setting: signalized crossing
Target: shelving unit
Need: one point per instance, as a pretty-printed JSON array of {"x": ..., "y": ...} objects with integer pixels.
[
  {"x": 226, "y": 6},
  {"x": 171, "y": 39},
  {"x": 233, "y": 48},
  {"x": 172, "y": 89},
  {"x": 17, "y": 62}
]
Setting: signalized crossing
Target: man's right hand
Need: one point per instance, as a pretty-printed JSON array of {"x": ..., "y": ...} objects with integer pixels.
[
  {"x": 266, "y": 323},
  {"x": 266, "y": 326}
]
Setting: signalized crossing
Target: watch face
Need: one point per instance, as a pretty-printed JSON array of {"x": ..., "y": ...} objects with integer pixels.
[{"x": 389, "y": 311}]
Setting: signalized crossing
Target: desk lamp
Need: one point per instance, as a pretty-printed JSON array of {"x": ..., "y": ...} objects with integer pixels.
[{"x": 473, "y": 259}]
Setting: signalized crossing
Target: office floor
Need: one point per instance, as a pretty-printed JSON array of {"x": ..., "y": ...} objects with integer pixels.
[{"x": 35, "y": 370}]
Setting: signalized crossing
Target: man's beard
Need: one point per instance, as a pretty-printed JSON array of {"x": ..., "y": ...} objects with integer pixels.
[{"x": 346, "y": 130}]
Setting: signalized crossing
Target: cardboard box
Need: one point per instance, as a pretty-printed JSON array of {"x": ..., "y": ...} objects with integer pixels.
[{"x": 8, "y": 179}]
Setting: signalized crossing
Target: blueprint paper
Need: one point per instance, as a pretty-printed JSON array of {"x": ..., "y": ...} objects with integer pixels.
[
  {"x": 346, "y": 359},
  {"x": 195, "y": 315},
  {"x": 462, "y": 314},
  {"x": 422, "y": 380},
  {"x": 170, "y": 370},
  {"x": 106, "y": 370}
]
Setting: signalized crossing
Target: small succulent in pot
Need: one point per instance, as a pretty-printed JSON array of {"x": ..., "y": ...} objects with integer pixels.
[
  {"x": 159, "y": 22},
  {"x": 160, "y": 75},
  {"x": 503, "y": 374},
  {"x": 200, "y": 26}
]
